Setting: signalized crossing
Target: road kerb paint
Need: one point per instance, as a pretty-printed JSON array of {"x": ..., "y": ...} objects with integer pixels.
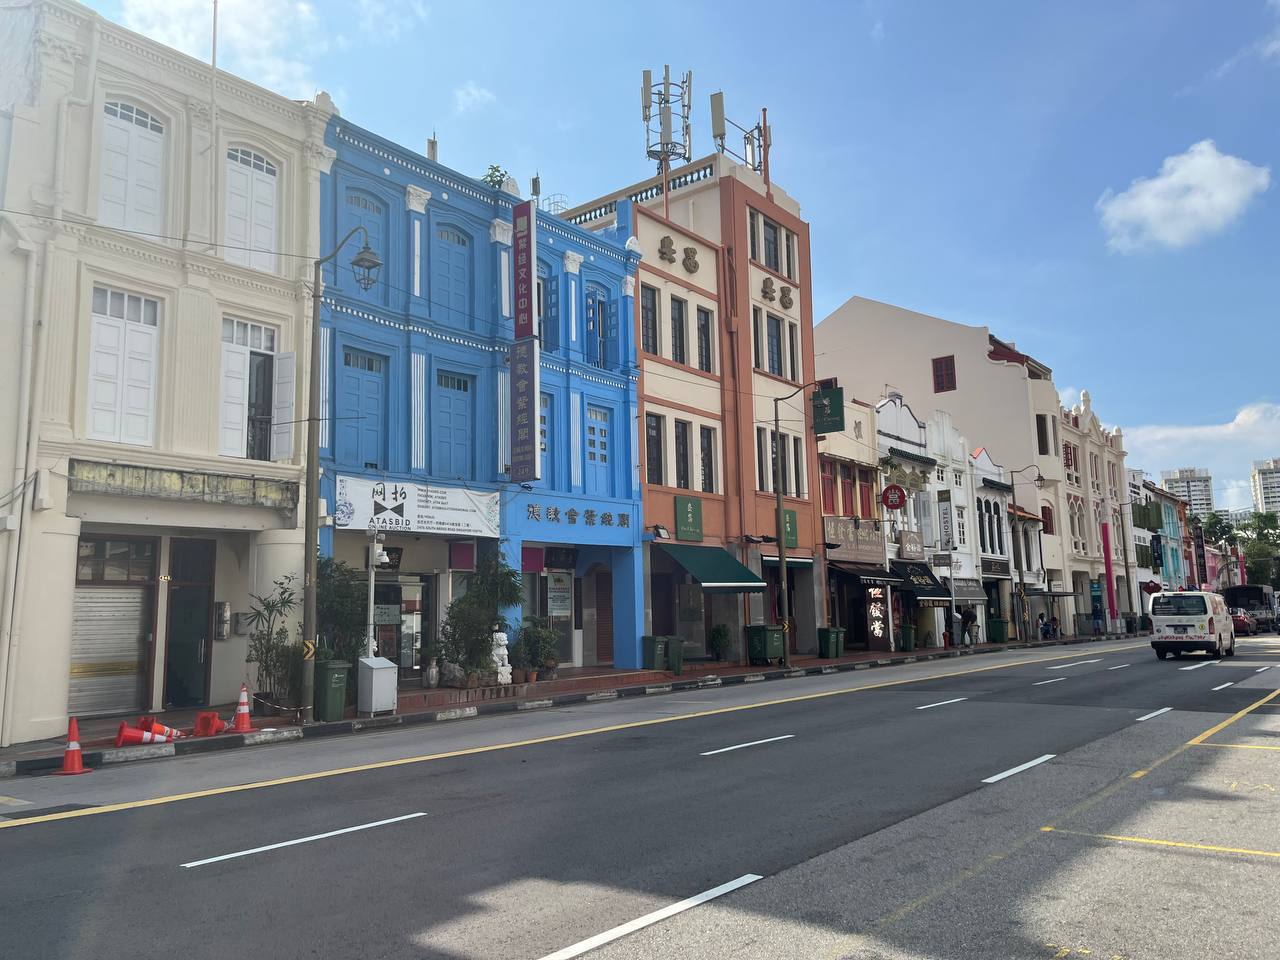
[
  {"x": 1260, "y": 669},
  {"x": 1018, "y": 769},
  {"x": 1149, "y": 841},
  {"x": 1223, "y": 686},
  {"x": 1078, "y": 663},
  {"x": 1120, "y": 666},
  {"x": 1153, "y": 713},
  {"x": 600, "y": 939},
  {"x": 753, "y": 743},
  {"x": 513, "y": 744},
  {"x": 294, "y": 843},
  {"x": 1202, "y": 663},
  {"x": 941, "y": 703},
  {"x": 1041, "y": 683}
]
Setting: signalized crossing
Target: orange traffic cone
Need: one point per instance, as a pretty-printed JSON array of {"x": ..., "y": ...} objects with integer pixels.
[
  {"x": 127, "y": 736},
  {"x": 242, "y": 723},
  {"x": 72, "y": 760},
  {"x": 152, "y": 725},
  {"x": 209, "y": 724}
]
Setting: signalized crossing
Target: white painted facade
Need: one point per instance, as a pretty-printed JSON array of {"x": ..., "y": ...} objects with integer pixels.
[
  {"x": 1265, "y": 481},
  {"x": 156, "y": 367}
]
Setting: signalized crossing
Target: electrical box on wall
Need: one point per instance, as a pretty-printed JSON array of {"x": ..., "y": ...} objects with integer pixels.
[
  {"x": 242, "y": 624},
  {"x": 221, "y": 620}
]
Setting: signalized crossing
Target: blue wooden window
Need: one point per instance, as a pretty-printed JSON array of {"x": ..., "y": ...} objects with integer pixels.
[
  {"x": 451, "y": 426},
  {"x": 451, "y": 275},
  {"x": 364, "y": 210},
  {"x": 546, "y": 439},
  {"x": 599, "y": 478},
  {"x": 361, "y": 413}
]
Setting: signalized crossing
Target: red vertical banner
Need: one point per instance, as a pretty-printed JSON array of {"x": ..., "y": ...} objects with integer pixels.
[
  {"x": 1110, "y": 570},
  {"x": 524, "y": 267}
]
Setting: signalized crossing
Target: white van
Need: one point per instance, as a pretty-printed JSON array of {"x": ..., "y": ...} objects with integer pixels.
[{"x": 1191, "y": 620}]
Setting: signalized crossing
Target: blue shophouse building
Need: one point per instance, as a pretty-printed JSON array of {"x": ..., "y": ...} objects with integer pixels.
[{"x": 415, "y": 392}]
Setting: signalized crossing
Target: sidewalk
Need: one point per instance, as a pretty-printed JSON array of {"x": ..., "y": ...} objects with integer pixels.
[{"x": 97, "y": 735}]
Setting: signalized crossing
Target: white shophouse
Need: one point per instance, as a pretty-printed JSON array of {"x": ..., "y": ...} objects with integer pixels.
[{"x": 154, "y": 265}]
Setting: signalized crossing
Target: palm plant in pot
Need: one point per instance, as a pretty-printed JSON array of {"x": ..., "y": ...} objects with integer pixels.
[
  {"x": 269, "y": 644},
  {"x": 466, "y": 640}
]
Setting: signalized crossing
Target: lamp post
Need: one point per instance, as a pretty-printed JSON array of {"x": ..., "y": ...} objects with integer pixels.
[
  {"x": 1020, "y": 601},
  {"x": 1128, "y": 571},
  {"x": 780, "y": 525},
  {"x": 365, "y": 265}
]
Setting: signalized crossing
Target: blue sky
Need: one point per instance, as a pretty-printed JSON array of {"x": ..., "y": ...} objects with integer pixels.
[{"x": 974, "y": 161}]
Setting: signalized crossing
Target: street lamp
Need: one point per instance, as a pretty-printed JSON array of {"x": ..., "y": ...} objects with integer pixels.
[
  {"x": 1021, "y": 599},
  {"x": 365, "y": 266}
]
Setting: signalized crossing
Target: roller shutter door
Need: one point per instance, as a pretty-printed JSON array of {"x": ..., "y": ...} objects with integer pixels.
[{"x": 110, "y": 645}]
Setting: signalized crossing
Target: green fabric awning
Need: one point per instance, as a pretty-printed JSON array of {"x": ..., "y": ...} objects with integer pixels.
[{"x": 714, "y": 568}]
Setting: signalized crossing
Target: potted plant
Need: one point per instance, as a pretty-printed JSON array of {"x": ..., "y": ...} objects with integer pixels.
[
  {"x": 269, "y": 644},
  {"x": 474, "y": 617},
  {"x": 538, "y": 643},
  {"x": 718, "y": 641},
  {"x": 519, "y": 662}
]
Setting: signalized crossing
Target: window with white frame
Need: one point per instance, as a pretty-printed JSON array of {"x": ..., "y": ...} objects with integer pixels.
[
  {"x": 941, "y": 474},
  {"x": 250, "y": 209},
  {"x": 122, "y": 366},
  {"x": 961, "y": 535},
  {"x": 131, "y": 184},
  {"x": 958, "y": 478},
  {"x": 256, "y": 401}
]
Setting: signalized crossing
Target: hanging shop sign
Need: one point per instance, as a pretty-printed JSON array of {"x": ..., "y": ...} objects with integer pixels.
[
  {"x": 854, "y": 541},
  {"x": 571, "y": 516},
  {"x": 688, "y": 518},
  {"x": 526, "y": 387},
  {"x": 828, "y": 410},
  {"x": 894, "y": 497},
  {"x": 560, "y": 595},
  {"x": 1157, "y": 552},
  {"x": 946, "y": 529},
  {"x": 910, "y": 546},
  {"x": 524, "y": 239},
  {"x": 790, "y": 529},
  {"x": 414, "y": 508},
  {"x": 995, "y": 568}
]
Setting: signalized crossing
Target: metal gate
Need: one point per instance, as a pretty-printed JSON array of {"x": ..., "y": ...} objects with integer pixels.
[{"x": 110, "y": 648}]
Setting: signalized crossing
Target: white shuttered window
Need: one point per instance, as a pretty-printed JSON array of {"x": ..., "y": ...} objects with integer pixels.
[
  {"x": 256, "y": 401},
  {"x": 131, "y": 188},
  {"x": 122, "y": 367},
  {"x": 250, "y": 210}
]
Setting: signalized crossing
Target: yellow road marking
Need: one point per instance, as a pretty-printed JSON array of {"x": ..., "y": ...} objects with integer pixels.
[
  {"x": 1211, "y": 848},
  {"x": 510, "y": 745},
  {"x": 1238, "y": 746},
  {"x": 1219, "y": 727}
]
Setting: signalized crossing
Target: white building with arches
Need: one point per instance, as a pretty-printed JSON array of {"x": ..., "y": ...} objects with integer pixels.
[{"x": 154, "y": 251}]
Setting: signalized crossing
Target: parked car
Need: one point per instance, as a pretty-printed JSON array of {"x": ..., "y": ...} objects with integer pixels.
[
  {"x": 1188, "y": 620},
  {"x": 1245, "y": 622}
]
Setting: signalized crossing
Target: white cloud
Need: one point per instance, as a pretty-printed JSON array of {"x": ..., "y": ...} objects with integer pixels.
[
  {"x": 270, "y": 42},
  {"x": 877, "y": 33},
  {"x": 1226, "y": 449},
  {"x": 1266, "y": 48},
  {"x": 1069, "y": 396},
  {"x": 1195, "y": 194},
  {"x": 471, "y": 95},
  {"x": 386, "y": 18}
]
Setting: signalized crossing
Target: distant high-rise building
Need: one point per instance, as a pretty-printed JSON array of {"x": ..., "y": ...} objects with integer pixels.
[
  {"x": 1192, "y": 484},
  {"x": 1240, "y": 515},
  {"x": 1266, "y": 485}
]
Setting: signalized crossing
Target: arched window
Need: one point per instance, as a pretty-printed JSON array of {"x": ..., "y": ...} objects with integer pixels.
[
  {"x": 982, "y": 525},
  {"x": 451, "y": 275},
  {"x": 364, "y": 210},
  {"x": 1046, "y": 517},
  {"x": 250, "y": 209},
  {"x": 997, "y": 518},
  {"x": 131, "y": 187}
]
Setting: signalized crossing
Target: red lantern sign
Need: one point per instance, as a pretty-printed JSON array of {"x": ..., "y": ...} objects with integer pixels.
[{"x": 893, "y": 497}]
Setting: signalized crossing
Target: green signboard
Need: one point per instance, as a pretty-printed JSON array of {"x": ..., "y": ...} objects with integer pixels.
[
  {"x": 688, "y": 518},
  {"x": 790, "y": 523},
  {"x": 828, "y": 410}
]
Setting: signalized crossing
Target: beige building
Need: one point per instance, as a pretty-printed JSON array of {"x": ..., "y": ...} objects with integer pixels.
[
  {"x": 1192, "y": 484},
  {"x": 152, "y": 362},
  {"x": 1001, "y": 399},
  {"x": 1265, "y": 481}
]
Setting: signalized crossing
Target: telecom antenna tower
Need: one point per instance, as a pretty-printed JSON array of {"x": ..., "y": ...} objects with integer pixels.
[
  {"x": 756, "y": 140},
  {"x": 658, "y": 102}
]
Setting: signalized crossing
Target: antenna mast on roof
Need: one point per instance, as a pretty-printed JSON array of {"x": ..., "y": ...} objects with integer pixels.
[
  {"x": 756, "y": 140},
  {"x": 662, "y": 143}
]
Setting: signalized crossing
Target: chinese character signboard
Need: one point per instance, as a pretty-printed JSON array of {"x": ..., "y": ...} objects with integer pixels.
[
  {"x": 910, "y": 546},
  {"x": 894, "y": 497},
  {"x": 414, "y": 508},
  {"x": 877, "y": 615},
  {"x": 1157, "y": 553},
  {"x": 857, "y": 543},
  {"x": 790, "y": 525},
  {"x": 526, "y": 459},
  {"x": 688, "y": 518},
  {"x": 828, "y": 410},
  {"x": 524, "y": 267}
]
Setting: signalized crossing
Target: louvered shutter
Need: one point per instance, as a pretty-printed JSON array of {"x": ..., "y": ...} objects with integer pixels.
[
  {"x": 106, "y": 367},
  {"x": 233, "y": 403},
  {"x": 282, "y": 406},
  {"x": 139, "y": 385}
]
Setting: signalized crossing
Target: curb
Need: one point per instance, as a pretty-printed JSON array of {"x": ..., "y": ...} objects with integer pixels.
[{"x": 192, "y": 745}]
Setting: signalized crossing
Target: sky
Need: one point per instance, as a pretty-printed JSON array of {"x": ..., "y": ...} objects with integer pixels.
[{"x": 1096, "y": 181}]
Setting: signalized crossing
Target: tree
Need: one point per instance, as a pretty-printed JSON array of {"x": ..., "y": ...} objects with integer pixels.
[
  {"x": 495, "y": 176},
  {"x": 1259, "y": 561},
  {"x": 1218, "y": 528},
  {"x": 472, "y": 619}
]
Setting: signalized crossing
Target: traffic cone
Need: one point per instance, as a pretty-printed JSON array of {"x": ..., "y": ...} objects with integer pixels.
[
  {"x": 209, "y": 724},
  {"x": 72, "y": 760},
  {"x": 242, "y": 723},
  {"x": 152, "y": 725},
  {"x": 127, "y": 736}
]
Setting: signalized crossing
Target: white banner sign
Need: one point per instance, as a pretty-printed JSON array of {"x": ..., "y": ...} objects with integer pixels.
[{"x": 414, "y": 508}]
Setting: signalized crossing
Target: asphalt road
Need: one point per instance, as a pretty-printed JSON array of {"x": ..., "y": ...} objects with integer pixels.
[{"x": 878, "y": 811}]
